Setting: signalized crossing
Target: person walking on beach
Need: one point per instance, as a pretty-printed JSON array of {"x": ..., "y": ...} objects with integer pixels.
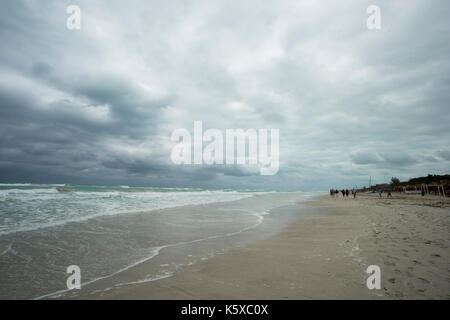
[
  {"x": 380, "y": 193},
  {"x": 354, "y": 193},
  {"x": 343, "y": 193},
  {"x": 346, "y": 192},
  {"x": 389, "y": 194}
]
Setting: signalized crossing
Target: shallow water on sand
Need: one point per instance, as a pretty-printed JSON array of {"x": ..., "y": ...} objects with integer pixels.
[{"x": 33, "y": 262}]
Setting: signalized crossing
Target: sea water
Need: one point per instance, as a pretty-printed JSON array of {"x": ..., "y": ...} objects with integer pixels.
[{"x": 105, "y": 230}]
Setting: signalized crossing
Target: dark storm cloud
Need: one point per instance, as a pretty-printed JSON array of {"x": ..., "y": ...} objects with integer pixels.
[
  {"x": 41, "y": 69},
  {"x": 399, "y": 159},
  {"x": 390, "y": 159},
  {"x": 444, "y": 154},
  {"x": 99, "y": 104},
  {"x": 365, "y": 158}
]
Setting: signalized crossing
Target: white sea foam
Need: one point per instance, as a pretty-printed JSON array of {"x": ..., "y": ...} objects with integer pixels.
[
  {"x": 28, "y": 191},
  {"x": 32, "y": 209}
]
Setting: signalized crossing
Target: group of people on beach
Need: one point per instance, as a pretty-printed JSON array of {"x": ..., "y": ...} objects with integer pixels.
[
  {"x": 345, "y": 192},
  {"x": 380, "y": 193},
  {"x": 334, "y": 193}
]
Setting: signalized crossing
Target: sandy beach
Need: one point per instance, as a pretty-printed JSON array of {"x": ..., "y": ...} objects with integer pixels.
[{"x": 324, "y": 256}]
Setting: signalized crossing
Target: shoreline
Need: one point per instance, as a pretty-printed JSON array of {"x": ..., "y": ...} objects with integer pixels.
[
  {"x": 171, "y": 258},
  {"x": 323, "y": 255},
  {"x": 266, "y": 269}
]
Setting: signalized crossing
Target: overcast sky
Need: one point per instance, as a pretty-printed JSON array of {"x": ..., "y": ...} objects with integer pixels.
[{"x": 98, "y": 105}]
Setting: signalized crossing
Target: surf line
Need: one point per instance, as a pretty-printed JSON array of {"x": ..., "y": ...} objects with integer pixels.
[{"x": 155, "y": 251}]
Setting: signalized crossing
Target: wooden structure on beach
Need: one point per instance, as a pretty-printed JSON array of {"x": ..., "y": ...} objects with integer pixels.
[
  {"x": 437, "y": 189},
  {"x": 438, "y": 185}
]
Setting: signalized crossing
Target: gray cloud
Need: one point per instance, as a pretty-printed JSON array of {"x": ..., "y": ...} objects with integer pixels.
[
  {"x": 399, "y": 159},
  {"x": 444, "y": 154},
  {"x": 98, "y": 105},
  {"x": 365, "y": 158}
]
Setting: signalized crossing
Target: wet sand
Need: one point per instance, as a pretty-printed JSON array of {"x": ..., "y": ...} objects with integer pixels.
[{"x": 325, "y": 256}]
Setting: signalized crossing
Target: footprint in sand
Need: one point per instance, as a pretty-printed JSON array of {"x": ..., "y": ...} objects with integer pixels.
[
  {"x": 410, "y": 285},
  {"x": 390, "y": 263},
  {"x": 424, "y": 280},
  {"x": 421, "y": 290}
]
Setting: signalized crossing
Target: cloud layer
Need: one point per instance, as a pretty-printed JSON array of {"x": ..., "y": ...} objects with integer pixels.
[{"x": 98, "y": 105}]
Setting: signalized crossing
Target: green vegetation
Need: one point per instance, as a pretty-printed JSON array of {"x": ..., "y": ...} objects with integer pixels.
[
  {"x": 428, "y": 179},
  {"x": 395, "y": 181}
]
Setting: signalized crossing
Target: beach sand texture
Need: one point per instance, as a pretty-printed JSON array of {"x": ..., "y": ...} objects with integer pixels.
[{"x": 325, "y": 256}]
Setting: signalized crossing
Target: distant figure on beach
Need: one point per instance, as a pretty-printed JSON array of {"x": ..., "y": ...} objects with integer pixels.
[
  {"x": 343, "y": 193},
  {"x": 380, "y": 193},
  {"x": 333, "y": 193},
  {"x": 354, "y": 193},
  {"x": 346, "y": 192},
  {"x": 389, "y": 194}
]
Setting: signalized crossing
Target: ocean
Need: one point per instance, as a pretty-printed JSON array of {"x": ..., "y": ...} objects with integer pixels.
[{"x": 106, "y": 230}]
